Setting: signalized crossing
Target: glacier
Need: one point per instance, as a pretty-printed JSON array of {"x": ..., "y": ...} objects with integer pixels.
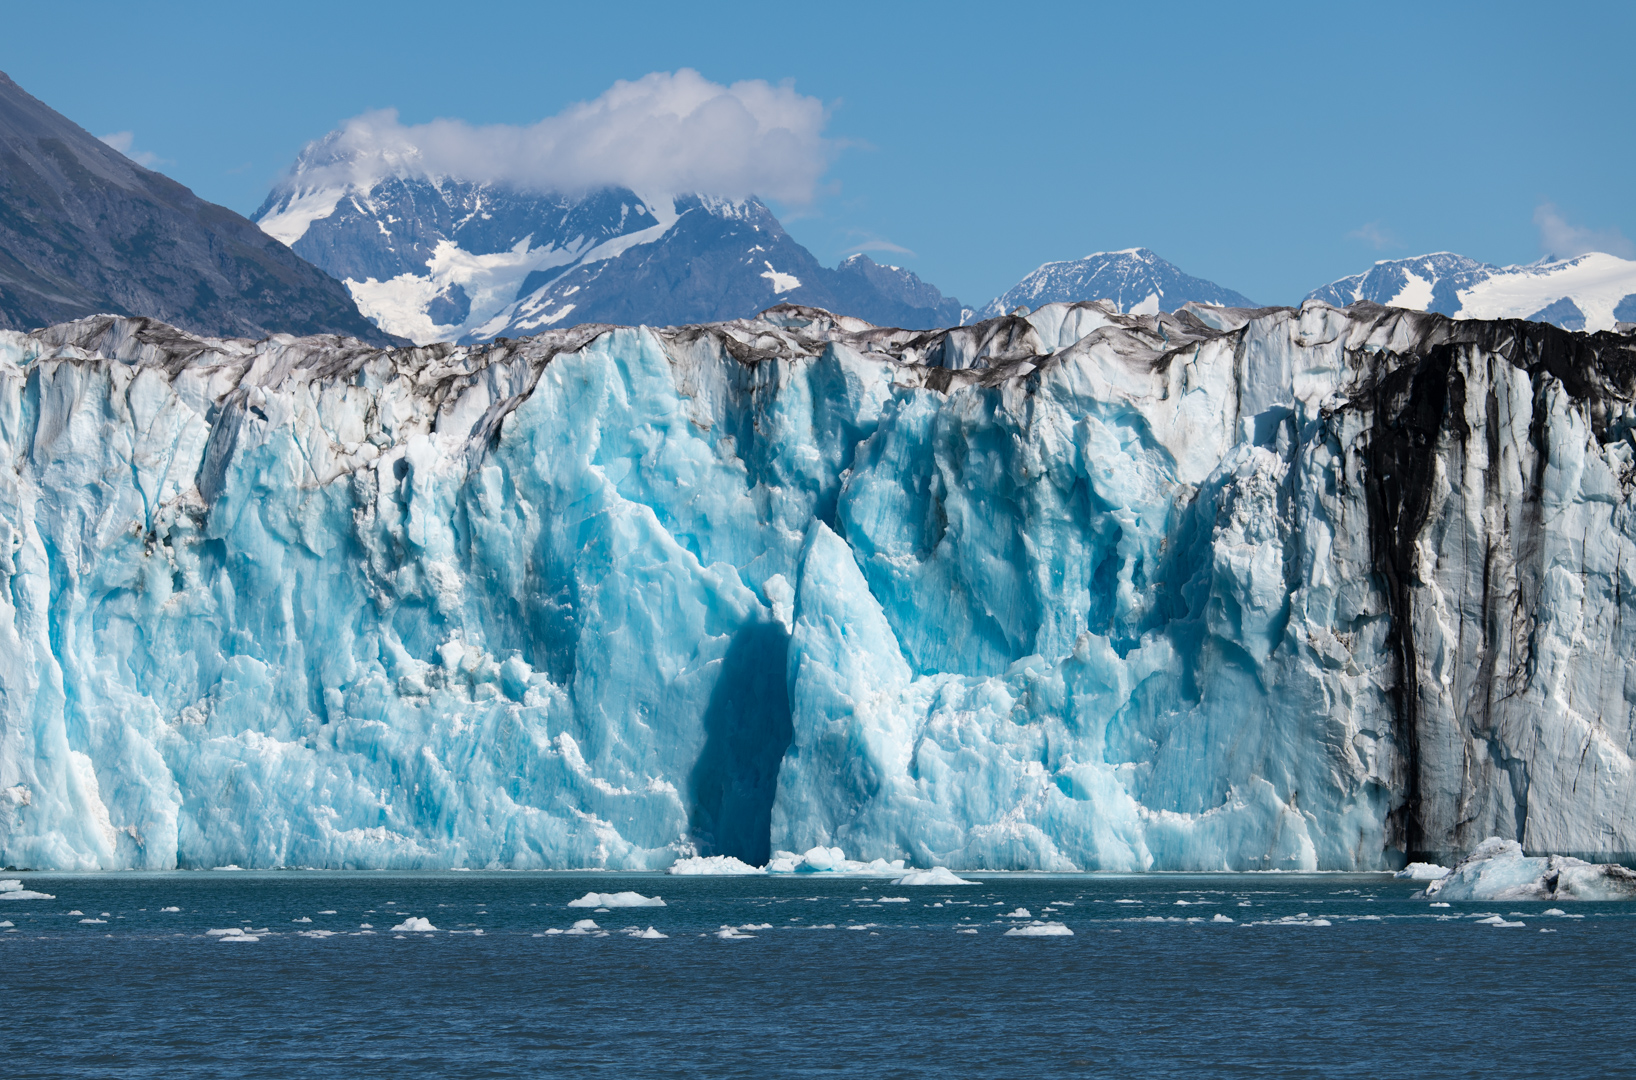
[{"x": 1316, "y": 588}]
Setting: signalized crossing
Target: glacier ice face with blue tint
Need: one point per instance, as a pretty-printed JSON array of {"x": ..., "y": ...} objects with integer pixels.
[{"x": 1292, "y": 589}]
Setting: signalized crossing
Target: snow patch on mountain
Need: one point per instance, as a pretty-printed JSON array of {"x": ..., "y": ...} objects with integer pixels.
[
  {"x": 1135, "y": 280},
  {"x": 1589, "y": 292}
]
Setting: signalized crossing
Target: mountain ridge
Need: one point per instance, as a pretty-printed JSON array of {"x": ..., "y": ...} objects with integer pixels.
[
  {"x": 440, "y": 258},
  {"x": 1593, "y": 291},
  {"x": 84, "y": 230}
]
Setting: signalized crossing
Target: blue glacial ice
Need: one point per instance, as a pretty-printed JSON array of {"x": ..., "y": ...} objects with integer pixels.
[{"x": 1315, "y": 589}]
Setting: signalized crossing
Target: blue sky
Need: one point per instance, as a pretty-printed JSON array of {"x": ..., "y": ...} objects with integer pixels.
[{"x": 1270, "y": 150}]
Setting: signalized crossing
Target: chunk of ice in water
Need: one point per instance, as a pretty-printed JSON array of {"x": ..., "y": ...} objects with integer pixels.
[
  {"x": 1040, "y": 929},
  {"x": 713, "y": 866},
  {"x": 937, "y": 875},
  {"x": 1422, "y": 871},
  {"x": 414, "y": 924},
  {"x": 616, "y": 900}
]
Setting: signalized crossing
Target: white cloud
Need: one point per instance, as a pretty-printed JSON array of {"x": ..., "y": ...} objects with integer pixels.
[
  {"x": 878, "y": 244},
  {"x": 1563, "y": 239},
  {"x": 663, "y": 132},
  {"x": 1373, "y": 235},
  {"x": 124, "y": 141}
]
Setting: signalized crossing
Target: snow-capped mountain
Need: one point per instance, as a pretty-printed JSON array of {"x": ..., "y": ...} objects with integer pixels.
[
  {"x": 447, "y": 259},
  {"x": 1136, "y": 280},
  {"x": 1588, "y": 292}
]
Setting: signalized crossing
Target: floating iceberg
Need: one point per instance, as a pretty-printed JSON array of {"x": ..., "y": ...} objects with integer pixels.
[
  {"x": 414, "y": 924},
  {"x": 235, "y": 933},
  {"x": 618, "y": 899},
  {"x": 831, "y": 860},
  {"x": 1498, "y": 870},
  {"x": 937, "y": 875},
  {"x": 1040, "y": 929},
  {"x": 1071, "y": 591},
  {"x": 12, "y": 889},
  {"x": 713, "y": 865},
  {"x": 1420, "y": 871}
]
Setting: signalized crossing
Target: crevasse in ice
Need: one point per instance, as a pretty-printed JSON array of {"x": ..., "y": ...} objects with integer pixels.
[{"x": 1222, "y": 590}]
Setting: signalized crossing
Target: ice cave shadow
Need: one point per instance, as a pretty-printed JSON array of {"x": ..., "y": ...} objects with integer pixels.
[{"x": 747, "y": 729}]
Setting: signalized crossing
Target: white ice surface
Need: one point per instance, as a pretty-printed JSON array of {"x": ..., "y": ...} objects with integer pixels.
[
  {"x": 713, "y": 865},
  {"x": 1040, "y": 929},
  {"x": 616, "y": 900},
  {"x": 937, "y": 875},
  {"x": 1420, "y": 871},
  {"x": 1498, "y": 870}
]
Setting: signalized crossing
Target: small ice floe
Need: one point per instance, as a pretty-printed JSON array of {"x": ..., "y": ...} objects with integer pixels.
[
  {"x": 414, "y": 925},
  {"x": 366, "y": 926},
  {"x": 619, "y": 899},
  {"x": 831, "y": 860},
  {"x": 1040, "y": 929},
  {"x": 93, "y": 920},
  {"x": 1438, "y": 903},
  {"x": 301, "y": 919},
  {"x": 893, "y": 900},
  {"x": 5, "y": 924},
  {"x": 229, "y": 866},
  {"x": 967, "y": 930},
  {"x": 1303, "y": 919},
  {"x": 1127, "y": 901},
  {"x": 733, "y": 933},
  {"x": 76, "y": 911},
  {"x": 1220, "y": 918},
  {"x": 713, "y": 866},
  {"x": 1020, "y": 913},
  {"x": 12, "y": 889},
  {"x": 321, "y": 912},
  {"x": 1497, "y": 921},
  {"x": 170, "y": 909},
  {"x": 582, "y": 927},
  {"x": 1498, "y": 870},
  {"x": 650, "y": 934},
  {"x": 320, "y": 934},
  {"x": 937, "y": 875},
  {"x": 1422, "y": 871},
  {"x": 235, "y": 933}
]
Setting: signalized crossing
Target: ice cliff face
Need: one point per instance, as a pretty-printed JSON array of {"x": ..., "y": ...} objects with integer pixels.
[{"x": 1310, "y": 589}]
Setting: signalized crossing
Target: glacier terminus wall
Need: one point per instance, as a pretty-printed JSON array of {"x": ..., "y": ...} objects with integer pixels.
[{"x": 1278, "y": 589}]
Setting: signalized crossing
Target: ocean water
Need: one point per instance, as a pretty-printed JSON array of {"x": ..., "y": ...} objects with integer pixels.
[{"x": 1315, "y": 976}]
